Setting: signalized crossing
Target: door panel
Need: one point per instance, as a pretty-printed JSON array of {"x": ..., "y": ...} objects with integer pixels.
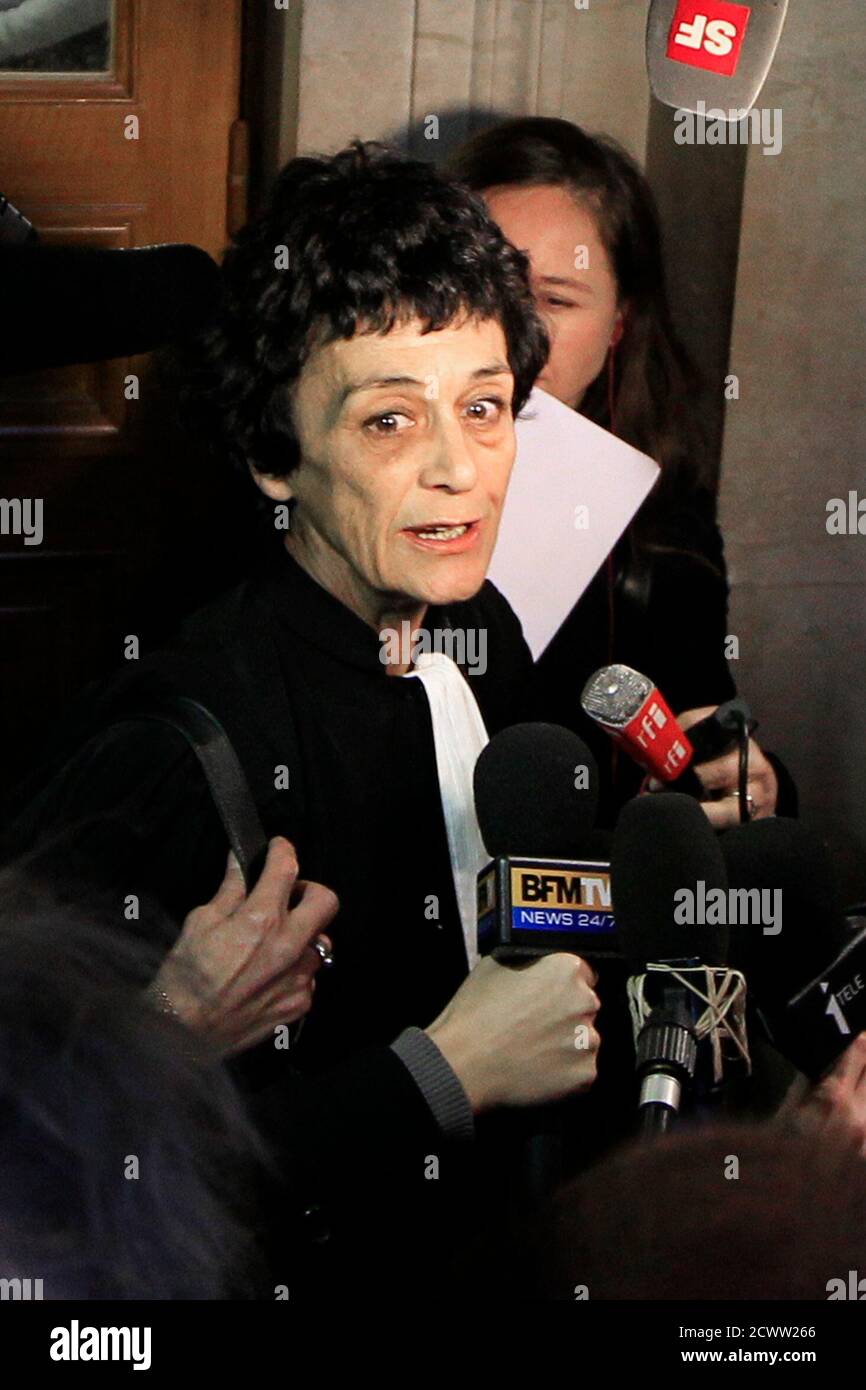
[{"x": 130, "y": 157}]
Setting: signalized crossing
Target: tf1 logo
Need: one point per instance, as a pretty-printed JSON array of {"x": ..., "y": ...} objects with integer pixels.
[{"x": 708, "y": 34}]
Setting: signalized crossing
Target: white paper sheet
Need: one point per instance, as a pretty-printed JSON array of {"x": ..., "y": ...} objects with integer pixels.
[{"x": 574, "y": 489}]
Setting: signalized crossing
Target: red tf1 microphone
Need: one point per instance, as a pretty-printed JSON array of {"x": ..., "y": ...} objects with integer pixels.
[
  {"x": 638, "y": 718},
  {"x": 630, "y": 708},
  {"x": 712, "y": 53}
]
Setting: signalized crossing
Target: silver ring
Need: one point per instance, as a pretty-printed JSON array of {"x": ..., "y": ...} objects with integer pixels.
[{"x": 326, "y": 956}]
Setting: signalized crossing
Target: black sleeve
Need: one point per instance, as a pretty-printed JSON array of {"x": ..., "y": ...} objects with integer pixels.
[
  {"x": 682, "y": 633},
  {"x": 787, "y": 799},
  {"x": 672, "y": 608},
  {"x": 129, "y": 813}
]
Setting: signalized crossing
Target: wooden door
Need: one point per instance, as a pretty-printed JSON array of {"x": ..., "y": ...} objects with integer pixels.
[{"x": 133, "y": 155}]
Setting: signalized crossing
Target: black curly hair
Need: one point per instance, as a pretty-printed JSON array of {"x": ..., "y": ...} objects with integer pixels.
[{"x": 353, "y": 243}]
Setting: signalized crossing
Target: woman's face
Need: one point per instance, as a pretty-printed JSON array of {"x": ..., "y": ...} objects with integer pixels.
[
  {"x": 572, "y": 279},
  {"x": 407, "y": 442}
]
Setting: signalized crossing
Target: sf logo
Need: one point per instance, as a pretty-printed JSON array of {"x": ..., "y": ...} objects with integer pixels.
[{"x": 708, "y": 35}]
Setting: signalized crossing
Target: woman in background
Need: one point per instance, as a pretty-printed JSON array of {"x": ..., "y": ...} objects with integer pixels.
[{"x": 584, "y": 213}]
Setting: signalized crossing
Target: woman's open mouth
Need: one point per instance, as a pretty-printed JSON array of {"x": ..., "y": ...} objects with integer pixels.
[{"x": 450, "y": 537}]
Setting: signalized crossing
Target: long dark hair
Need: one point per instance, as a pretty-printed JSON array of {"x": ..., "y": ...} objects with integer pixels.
[{"x": 650, "y": 379}]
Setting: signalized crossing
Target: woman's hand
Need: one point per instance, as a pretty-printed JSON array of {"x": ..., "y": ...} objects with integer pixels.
[
  {"x": 721, "y": 779},
  {"x": 836, "y": 1106},
  {"x": 243, "y": 965}
]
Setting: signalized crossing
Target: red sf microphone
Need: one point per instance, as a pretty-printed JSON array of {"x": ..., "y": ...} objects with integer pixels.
[
  {"x": 637, "y": 716},
  {"x": 712, "y": 53}
]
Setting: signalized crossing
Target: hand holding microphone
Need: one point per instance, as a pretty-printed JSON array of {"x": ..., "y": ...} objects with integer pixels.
[
  {"x": 522, "y": 1036},
  {"x": 716, "y": 761},
  {"x": 525, "y": 1036},
  {"x": 719, "y": 778}
]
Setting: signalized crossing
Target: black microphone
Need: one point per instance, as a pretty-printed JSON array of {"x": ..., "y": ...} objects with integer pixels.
[
  {"x": 806, "y": 969},
  {"x": 66, "y": 304},
  {"x": 536, "y": 793},
  {"x": 548, "y": 885},
  {"x": 665, "y": 856},
  {"x": 712, "y": 53}
]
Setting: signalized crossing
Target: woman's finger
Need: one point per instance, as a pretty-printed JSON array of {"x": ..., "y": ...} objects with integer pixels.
[
  {"x": 722, "y": 814},
  {"x": 851, "y": 1066},
  {"x": 314, "y": 909},
  {"x": 721, "y": 774},
  {"x": 270, "y": 897},
  {"x": 231, "y": 891}
]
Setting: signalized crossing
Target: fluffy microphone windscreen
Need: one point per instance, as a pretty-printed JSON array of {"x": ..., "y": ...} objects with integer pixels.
[
  {"x": 536, "y": 792},
  {"x": 796, "y": 925},
  {"x": 64, "y": 304},
  {"x": 665, "y": 860}
]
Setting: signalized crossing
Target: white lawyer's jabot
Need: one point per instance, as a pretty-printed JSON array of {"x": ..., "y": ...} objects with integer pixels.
[{"x": 459, "y": 736}]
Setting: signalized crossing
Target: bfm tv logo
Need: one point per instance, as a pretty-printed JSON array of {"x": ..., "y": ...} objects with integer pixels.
[{"x": 708, "y": 34}]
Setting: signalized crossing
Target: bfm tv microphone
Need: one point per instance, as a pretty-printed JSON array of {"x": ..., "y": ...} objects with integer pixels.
[
  {"x": 628, "y": 706},
  {"x": 536, "y": 792},
  {"x": 548, "y": 886},
  {"x": 712, "y": 53},
  {"x": 809, "y": 978},
  {"x": 664, "y": 845}
]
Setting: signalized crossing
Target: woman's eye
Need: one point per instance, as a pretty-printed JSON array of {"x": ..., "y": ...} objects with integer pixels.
[
  {"x": 554, "y": 303},
  {"x": 486, "y": 410},
  {"x": 390, "y": 422}
]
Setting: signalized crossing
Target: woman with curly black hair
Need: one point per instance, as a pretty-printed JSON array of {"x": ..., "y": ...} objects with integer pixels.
[{"x": 376, "y": 339}]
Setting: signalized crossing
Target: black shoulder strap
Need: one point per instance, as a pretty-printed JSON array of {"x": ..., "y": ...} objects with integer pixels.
[{"x": 222, "y": 769}]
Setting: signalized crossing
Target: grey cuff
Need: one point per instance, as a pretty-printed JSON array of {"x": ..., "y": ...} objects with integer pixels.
[{"x": 437, "y": 1082}]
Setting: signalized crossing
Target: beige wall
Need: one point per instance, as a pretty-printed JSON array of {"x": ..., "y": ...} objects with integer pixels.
[
  {"x": 370, "y": 68},
  {"x": 796, "y": 436}
]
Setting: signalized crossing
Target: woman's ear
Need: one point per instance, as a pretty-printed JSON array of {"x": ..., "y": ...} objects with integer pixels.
[
  {"x": 618, "y": 327},
  {"x": 277, "y": 488}
]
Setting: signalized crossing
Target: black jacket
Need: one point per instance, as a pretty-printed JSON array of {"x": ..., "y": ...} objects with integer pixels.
[{"x": 298, "y": 684}]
